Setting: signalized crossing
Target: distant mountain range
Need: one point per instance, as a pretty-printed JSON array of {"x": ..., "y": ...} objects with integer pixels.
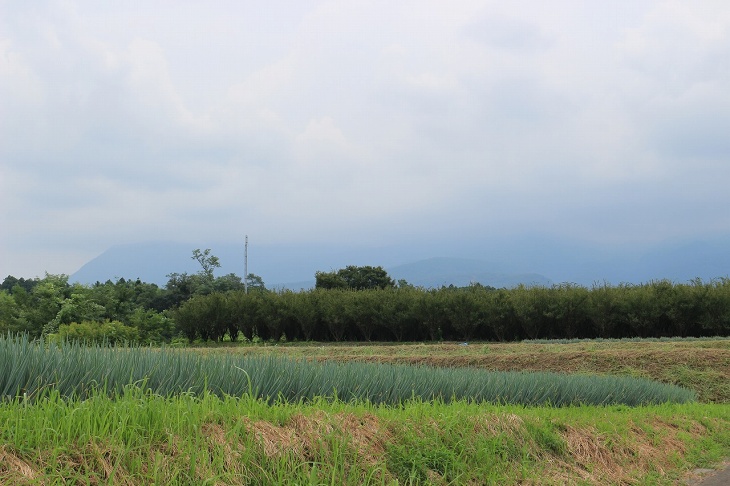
[
  {"x": 289, "y": 267},
  {"x": 528, "y": 262},
  {"x": 438, "y": 272}
]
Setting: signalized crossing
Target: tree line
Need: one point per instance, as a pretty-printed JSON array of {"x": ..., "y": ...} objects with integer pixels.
[
  {"x": 356, "y": 304},
  {"x": 124, "y": 310},
  {"x": 566, "y": 311}
]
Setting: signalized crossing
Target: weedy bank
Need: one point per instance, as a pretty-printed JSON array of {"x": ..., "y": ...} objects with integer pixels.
[{"x": 140, "y": 438}]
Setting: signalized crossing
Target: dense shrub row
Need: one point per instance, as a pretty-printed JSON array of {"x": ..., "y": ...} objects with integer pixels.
[
  {"x": 215, "y": 309},
  {"x": 656, "y": 309}
]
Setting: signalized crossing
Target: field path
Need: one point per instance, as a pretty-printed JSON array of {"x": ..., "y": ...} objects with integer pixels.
[{"x": 720, "y": 477}]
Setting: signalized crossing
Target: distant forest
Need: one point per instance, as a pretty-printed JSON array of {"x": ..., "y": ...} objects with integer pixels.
[{"x": 353, "y": 304}]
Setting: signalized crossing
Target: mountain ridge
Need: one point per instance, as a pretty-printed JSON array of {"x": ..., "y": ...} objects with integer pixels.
[
  {"x": 528, "y": 261},
  {"x": 153, "y": 261}
]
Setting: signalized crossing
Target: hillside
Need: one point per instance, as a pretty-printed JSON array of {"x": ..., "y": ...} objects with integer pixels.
[
  {"x": 292, "y": 267},
  {"x": 504, "y": 264},
  {"x": 437, "y": 272}
]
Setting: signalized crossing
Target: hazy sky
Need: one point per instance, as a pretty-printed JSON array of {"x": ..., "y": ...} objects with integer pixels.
[{"x": 358, "y": 121}]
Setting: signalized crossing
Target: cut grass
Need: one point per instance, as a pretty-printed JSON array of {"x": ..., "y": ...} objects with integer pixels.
[{"x": 139, "y": 438}]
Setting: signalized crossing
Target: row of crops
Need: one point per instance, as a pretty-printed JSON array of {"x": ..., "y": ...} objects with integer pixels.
[
  {"x": 566, "y": 311},
  {"x": 33, "y": 369}
]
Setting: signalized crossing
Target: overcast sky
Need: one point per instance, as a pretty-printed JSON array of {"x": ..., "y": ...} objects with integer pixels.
[{"x": 358, "y": 121}]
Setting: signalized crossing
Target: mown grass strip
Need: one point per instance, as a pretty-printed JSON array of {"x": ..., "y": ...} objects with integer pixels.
[{"x": 32, "y": 369}]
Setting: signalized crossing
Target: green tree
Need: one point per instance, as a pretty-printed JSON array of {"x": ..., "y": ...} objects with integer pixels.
[
  {"x": 355, "y": 278},
  {"x": 10, "y": 320},
  {"x": 329, "y": 281},
  {"x": 334, "y": 306},
  {"x": 45, "y": 303},
  {"x": 228, "y": 283},
  {"x": 189, "y": 318},
  {"x": 254, "y": 282},
  {"x": 464, "y": 312},
  {"x": 111, "y": 332},
  {"x": 432, "y": 312},
  {"x": 152, "y": 327},
  {"x": 244, "y": 313},
  {"x": 180, "y": 287},
  {"x": 715, "y": 319},
  {"x": 207, "y": 261},
  {"x": 608, "y": 310},
  {"x": 78, "y": 307},
  {"x": 568, "y": 309},
  {"x": 399, "y": 312},
  {"x": 367, "y": 312},
  {"x": 530, "y": 307},
  {"x": 308, "y": 313},
  {"x": 10, "y": 282},
  {"x": 499, "y": 315},
  {"x": 272, "y": 316}
]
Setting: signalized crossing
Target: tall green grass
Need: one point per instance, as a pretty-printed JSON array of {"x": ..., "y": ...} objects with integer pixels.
[
  {"x": 141, "y": 438},
  {"x": 32, "y": 369}
]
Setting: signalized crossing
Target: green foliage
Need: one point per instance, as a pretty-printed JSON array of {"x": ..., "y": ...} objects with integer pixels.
[
  {"x": 78, "y": 307},
  {"x": 181, "y": 287},
  {"x": 335, "y": 308},
  {"x": 465, "y": 312},
  {"x": 218, "y": 309},
  {"x": 563, "y": 311},
  {"x": 329, "y": 281},
  {"x": 10, "y": 283},
  {"x": 45, "y": 303},
  {"x": 255, "y": 283},
  {"x": 10, "y": 320},
  {"x": 355, "y": 278},
  {"x": 75, "y": 370},
  {"x": 151, "y": 326},
  {"x": 207, "y": 261},
  {"x": 142, "y": 438},
  {"x": 111, "y": 332}
]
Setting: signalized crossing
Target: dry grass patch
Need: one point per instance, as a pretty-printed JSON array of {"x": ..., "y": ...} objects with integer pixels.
[
  {"x": 650, "y": 449},
  {"x": 312, "y": 438},
  {"x": 493, "y": 424},
  {"x": 13, "y": 469},
  {"x": 232, "y": 449}
]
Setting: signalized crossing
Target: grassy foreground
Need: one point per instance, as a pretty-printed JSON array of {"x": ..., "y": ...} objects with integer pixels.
[
  {"x": 136, "y": 437},
  {"x": 139, "y": 438}
]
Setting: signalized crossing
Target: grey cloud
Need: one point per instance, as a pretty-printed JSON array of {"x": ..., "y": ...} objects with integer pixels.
[
  {"x": 695, "y": 137},
  {"x": 508, "y": 33},
  {"x": 365, "y": 121}
]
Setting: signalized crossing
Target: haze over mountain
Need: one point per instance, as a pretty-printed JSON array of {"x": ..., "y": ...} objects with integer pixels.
[
  {"x": 373, "y": 131},
  {"x": 428, "y": 264},
  {"x": 438, "y": 272}
]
